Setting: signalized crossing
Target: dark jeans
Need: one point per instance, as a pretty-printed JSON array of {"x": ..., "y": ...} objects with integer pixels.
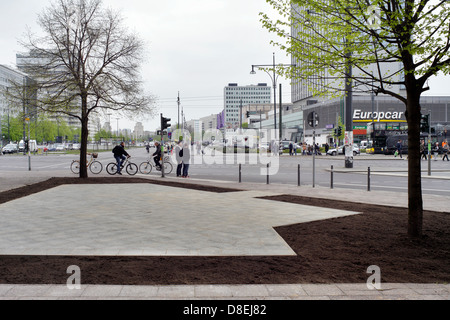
[
  {"x": 179, "y": 169},
  {"x": 157, "y": 161},
  {"x": 185, "y": 169},
  {"x": 119, "y": 160}
]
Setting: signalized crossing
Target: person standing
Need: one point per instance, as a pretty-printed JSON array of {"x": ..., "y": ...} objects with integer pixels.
[
  {"x": 179, "y": 156},
  {"x": 186, "y": 160},
  {"x": 120, "y": 154},
  {"x": 423, "y": 150},
  {"x": 445, "y": 149},
  {"x": 399, "y": 148},
  {"x": 436, "y": 151},
  {"x": 291, "y": 148}
]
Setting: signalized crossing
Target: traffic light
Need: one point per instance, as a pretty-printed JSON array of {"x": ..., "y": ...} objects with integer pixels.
[
  {"x": 336, "y": 132},
  {"x": 424, "y": 123},
  {"x": 248, "y": 114},
  {"x": 339, "y": 131},
  {"x": 165, "y": 123}
]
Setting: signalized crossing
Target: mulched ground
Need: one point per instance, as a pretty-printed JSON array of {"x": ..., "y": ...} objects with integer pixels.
[{"x": 332, "y": 251}]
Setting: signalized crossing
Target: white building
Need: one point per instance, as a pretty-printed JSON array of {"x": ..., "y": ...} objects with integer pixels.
[
  {"x": 235, "y": 97},
  {"x": 9, "y": 77},
  {"x": 138, "y": 132}
]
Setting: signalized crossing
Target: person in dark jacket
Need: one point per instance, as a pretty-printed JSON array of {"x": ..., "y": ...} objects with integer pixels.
[
  {"x": 119, "y": 155},
  {"x": 399, "y": 148},
  {"x": 157, "y": 155}
]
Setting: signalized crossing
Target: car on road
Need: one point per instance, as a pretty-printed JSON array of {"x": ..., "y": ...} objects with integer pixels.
[
  {"x": 340, "y": 150},
  {"x": 59, "y": 147},
  {"x": 76, "y": 146},
  {"x": 10, "y": 148}
]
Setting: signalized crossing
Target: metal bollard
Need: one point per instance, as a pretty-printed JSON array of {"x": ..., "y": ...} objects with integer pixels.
[
  {"x": 240, "y": 173},
  {"x": 331, "y": 180},
  {"x": 298, "y": 176},
  {"x": 368, "y": 179},
  {"x": 267, "y": 173}
]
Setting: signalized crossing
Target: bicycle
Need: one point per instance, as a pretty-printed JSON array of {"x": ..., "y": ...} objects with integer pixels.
[
  {"x": 147, "y": 166},
  {"x": 94, "y": 166},
  {"x": 130, "y": 168}
]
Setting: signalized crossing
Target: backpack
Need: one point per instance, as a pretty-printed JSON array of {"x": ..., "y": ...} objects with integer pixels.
[{"x": 180, "y": 153}]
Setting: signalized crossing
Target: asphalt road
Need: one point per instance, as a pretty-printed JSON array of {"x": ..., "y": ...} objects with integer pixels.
[{"x": 387, "y": 173}]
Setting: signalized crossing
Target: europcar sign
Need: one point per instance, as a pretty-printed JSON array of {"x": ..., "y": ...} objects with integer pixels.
[{"x": 359, "y": 115}]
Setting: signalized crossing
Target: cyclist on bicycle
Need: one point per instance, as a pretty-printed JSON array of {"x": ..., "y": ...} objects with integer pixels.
[
  {"x": 157, "y": 154},
  {"x": 119, "y": 155}
]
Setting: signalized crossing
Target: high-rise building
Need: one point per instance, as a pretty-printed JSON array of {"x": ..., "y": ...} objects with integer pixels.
[
  {"x": 10, "y": 80},
  {"x": 24, "y": 60},
  {"x": 235, "y": 97}
]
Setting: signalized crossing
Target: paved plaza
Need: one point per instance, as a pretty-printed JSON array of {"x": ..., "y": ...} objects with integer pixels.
[
  {"x": 127, "y": 222},
  {"x": 149, "y": 220}
]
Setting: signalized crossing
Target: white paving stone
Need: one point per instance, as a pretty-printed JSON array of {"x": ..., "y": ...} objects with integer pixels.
[{"x": 146, "y": 219}]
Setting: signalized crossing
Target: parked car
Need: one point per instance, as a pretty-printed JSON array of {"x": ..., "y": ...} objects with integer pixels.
[
  {"x": 340, "y": 150},
  {"x": 10, "y": 148},
  {"x": 59, "y": 147}
]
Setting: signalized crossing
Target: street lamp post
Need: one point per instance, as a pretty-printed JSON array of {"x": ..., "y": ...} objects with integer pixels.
[{"x": 274, "y": 79}]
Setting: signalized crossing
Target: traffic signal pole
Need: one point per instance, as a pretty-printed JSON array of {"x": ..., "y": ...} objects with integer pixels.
[{"x": 164, "y": 125}]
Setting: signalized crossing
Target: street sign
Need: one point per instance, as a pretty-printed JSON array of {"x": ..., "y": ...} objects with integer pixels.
[{"x": 313, "y": 119}]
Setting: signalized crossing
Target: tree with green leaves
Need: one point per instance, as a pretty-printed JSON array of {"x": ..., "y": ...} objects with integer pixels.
[
  {"x": 376, "y": 45},
  {"x": 86, "y": 61}
]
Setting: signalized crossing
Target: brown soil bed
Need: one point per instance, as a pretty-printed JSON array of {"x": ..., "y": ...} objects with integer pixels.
[{"x": 331, "y": 251}]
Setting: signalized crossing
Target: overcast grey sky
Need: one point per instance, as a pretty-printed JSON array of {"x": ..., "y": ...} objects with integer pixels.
[{"x": 195, "y": 47}]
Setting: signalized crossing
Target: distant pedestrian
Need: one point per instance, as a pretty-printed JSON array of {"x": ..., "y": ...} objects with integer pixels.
[
  {"x": 291, "y": 148},
  {"x": 179, "y": 157},
  {"x": 445, "y": 149},
  {"x": 304, "y": 149},
  {"x": 436, "y": 151},
  {"x": 399, "y": 149},
  {"x": 423, "y": 150},
  {"x": 186, "y": 160},
  {"x": 327, "y": 147}
]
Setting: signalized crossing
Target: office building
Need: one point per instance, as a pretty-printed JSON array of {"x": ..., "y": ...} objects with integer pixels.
[{"x": 235, "y": 97}]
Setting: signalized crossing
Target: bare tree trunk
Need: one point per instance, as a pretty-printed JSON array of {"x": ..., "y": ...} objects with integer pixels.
[
  {"x": 84, "y": 139},
  {"x": 415, "y": 202}
]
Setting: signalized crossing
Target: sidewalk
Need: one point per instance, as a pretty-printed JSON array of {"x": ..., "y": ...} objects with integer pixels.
[{"x": 388, "y": 291}]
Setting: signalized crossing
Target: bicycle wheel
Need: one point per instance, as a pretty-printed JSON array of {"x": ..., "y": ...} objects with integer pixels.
[
  {"x": 96, "y": 167},
  {"x": 145, "y": 167},
  {"x": 132, "y": 169},
  {"x": 167, "y": 167},
  {"x": 111, "y": 168},
  {"x": 75, "y": 166}
]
